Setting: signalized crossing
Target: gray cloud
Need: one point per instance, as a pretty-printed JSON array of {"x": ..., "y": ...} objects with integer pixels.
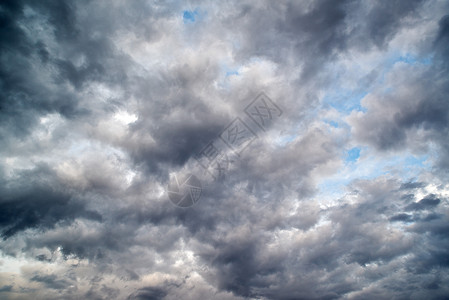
[{"x": 38, "y": 200}]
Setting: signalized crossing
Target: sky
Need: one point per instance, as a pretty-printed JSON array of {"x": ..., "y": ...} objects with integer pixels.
[{"x": 336, "y": 186}]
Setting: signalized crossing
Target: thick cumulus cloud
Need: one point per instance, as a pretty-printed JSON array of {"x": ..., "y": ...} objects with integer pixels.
[{"x": 102, "y": 101}]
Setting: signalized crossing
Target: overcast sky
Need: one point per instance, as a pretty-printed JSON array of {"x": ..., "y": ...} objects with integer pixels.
[{"x": 343, "y": 196}]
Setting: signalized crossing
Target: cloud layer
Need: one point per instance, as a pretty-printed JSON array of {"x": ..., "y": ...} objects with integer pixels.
[{"x": 344, "y": 196}]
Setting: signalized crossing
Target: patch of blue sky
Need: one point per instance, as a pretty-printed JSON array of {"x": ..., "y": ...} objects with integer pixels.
[
  {"x": 336, "y": 122},
  {"x": 352, "y": 155},
  {"x": 357, "y": 166},
  {"x": 412, "y": 163},
  {"x": 227, "y": 71},
  {"x": 407, "y": 58},
  {"x": 232, "y": 72},
  {"x": 189, "y": 16},
  {"x": 332, "y": 123},
  {"x": 349, "y": 86},
  {"x": 411, "y": 59},
  {"x": 285, "y": 139},
  {"x": 344, "y": 100},
  {"x": 288, "y": 136}
]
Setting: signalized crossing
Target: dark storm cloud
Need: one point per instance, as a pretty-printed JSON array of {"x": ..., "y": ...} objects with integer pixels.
[
  {"x": 176, "y": 137},
  {"x": 383, "y": 21},
  {"x": 148, "y": 293},
  {"x": 23, "y": 96},
  {"x": 37, "y": 199},
  {"x": 51, "y": 281},
  {"x": 401, "y": 218},
  {"x": 6, "y": 288},
  {"x": 412, "y": 185},
  {"x": 428, "y": 202},
  {"x": 441, "y": 40}
]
